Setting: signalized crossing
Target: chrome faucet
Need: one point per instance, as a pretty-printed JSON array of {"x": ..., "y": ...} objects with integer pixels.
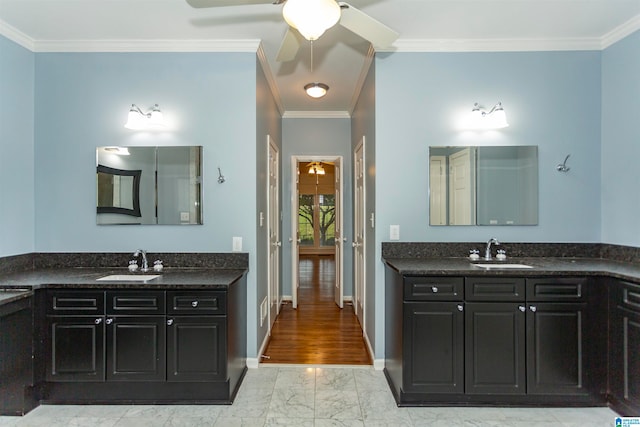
[
  {"x": 145, "y": 265},
  {"x": 487, "y": 252}
]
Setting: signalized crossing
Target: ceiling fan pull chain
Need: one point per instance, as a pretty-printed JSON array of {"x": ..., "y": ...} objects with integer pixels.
[{"x": 311, "y": 42}]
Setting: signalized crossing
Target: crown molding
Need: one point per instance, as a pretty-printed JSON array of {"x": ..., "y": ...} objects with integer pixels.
[
  {"x": 16, "y": 36},
  {"x": 271, "y": 81},
  {"x": 250, "y": 45},
  {"x": 316, "y": 115},
  {"x": 368, "y": 60},
  {"x": 622, "y": 31},
  {"x": 494, "y": 45}
]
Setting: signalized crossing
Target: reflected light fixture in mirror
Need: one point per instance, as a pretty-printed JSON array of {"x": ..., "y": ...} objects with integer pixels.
[
  {"x": 316, "y": 90},
  {"x": 493, "y": 119},
  {"x": 139, "y": 120},
  {"x": 311, "y": 17},
  {"x": 120, "y": 151}
]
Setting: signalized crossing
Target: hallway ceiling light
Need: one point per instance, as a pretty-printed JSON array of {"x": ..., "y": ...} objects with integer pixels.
[
  {"x": 138, "y": 120},
  {"x": 311, "y": 17},
  {"x": 493, "y": 119},
  {"x": 316, "y": 168},
  {"x": 316, "y": 90}
]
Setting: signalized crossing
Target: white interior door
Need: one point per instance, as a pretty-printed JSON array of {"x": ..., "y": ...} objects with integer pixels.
[
  {"x": 462, "y": 188},
  {"x": 295, "y": 234},
  {"x": 438, "y": 190},
  {"x": 273, "y": 223},
  {"x": 359, "y": 222},
  {"x": 338, "y": 238}
]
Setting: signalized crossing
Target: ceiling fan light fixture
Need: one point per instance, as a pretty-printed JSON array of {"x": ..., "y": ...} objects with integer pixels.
[
  {"x": 311, "y": 17},
  {"x": 316, "y": 90}
]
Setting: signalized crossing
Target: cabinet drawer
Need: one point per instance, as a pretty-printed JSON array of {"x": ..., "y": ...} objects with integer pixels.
[
  {"x": 494, "y": 289},
  {"x": 90, "y": 303},
  {"x": 557, "y": 289},
  {"x": 629, "y": 296},
  {"x": 197, "y": 302},
  {"x": 433, "y": 288},
  {"x": 135, "y": 302}
]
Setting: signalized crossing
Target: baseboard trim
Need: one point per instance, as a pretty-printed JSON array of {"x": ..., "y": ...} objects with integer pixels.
[{"x": 378, "y": 364}]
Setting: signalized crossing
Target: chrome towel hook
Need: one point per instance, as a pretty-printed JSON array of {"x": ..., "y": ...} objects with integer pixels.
[
  {"x": 220, "y": 176},
  {"x": 562, "y": 167}
]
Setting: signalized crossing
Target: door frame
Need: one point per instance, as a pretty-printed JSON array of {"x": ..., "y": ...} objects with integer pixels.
[
  {"x": 272, "y": 312},
  {"x": 295, "y": 159},
  {"x": 360, "y": 275}
]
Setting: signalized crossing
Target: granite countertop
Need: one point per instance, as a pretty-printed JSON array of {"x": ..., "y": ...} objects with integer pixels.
[
  {"x": 170, "y": 278},
  {"x": 11, "y": 295},
  {"x": 541, "y": 267}
]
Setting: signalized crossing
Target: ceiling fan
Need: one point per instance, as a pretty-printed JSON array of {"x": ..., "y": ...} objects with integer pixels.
[{"x": 311, "y": 18}]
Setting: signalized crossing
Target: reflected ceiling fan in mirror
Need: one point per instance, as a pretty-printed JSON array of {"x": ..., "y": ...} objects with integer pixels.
[{"x": 311, "y": 18}]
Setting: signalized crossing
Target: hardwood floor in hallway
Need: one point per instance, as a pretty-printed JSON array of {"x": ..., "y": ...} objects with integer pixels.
[{"x": 318, "y": 332}]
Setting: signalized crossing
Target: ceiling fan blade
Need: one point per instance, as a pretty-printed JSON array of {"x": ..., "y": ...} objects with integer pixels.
[
  {"x": 366, "y": 27},
  {"x": 290, "y": 45},
  {"x": 219, "y": 3}
]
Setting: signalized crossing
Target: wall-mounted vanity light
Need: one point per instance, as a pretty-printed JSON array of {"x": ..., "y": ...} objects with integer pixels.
[
  {"x": 492, "y": 119},
  {"x": 316, "y": 90},
  {"x": 139, "y": 120},
  {"x": 119, "y": 151}
]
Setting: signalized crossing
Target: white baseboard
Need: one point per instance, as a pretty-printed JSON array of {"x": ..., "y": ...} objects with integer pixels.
[
  {"x": 287, "y": 298},
  {"x": 378, "y": 364},
  {"x": 252, "y": 363}
]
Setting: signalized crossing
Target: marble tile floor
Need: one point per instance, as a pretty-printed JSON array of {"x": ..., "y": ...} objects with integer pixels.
[{"x": 309, "y": 396}]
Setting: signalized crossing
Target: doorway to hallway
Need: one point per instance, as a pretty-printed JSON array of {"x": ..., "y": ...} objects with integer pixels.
[{"x": 318, "y": 331}]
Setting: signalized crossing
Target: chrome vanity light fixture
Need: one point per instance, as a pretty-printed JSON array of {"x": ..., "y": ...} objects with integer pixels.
[
  {"x": 316, "y": 90},
  {"x": 139, "y": 120},
  {"x": 492, "y": 119}
]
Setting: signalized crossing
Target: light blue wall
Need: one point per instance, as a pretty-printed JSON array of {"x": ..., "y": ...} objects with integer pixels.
[
  {"x": 208, "y": 99},
  {"x": 552, "y": 100},
  {"x": 17, "y": 201},
  {"x": 621, "y": 142},
  {"x": 316, "y": 137}
]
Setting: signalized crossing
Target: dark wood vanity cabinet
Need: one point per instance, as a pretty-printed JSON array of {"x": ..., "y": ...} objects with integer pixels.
[
  {"x": 493, "y": 340},
  {"x": 16, "y": 362},
  {"x": 143, "y": 345},
  {"x": 624, "y": 349}
]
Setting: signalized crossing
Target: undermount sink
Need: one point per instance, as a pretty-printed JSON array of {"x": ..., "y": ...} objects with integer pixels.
[
  {"x": 129, "y": 277},
  {"x": 502, "y": 266}
]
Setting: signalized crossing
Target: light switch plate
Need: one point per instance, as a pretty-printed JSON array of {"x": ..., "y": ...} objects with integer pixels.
[
  {"x": 394, "y": 232},
  {"x": 237, "y": 244}
]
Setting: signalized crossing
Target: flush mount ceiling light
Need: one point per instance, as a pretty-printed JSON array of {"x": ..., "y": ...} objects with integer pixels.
[
  {"x": 138, "y": 120},
  {"x": 493, "y": 119},
  {"x": 311, "y": 17},
  {"x": 316, "y": 90}
]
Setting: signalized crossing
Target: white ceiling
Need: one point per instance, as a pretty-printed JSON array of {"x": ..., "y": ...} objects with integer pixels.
[{"x": 339, "y": 55}]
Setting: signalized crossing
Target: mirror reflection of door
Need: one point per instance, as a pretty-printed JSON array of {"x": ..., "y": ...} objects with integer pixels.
[{"x": 462, "y": 189}]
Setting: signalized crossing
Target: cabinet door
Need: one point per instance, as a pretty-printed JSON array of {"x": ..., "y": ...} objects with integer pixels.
[
  {"x": 555, "y": 348},
  {"x": 495, "y": 348},
  {"x": 625, "y": 362},
  {"x": 136, "y": 348},
  {"x": 433, "y": 347},
  {"x": 196, "y": 348},
  {"x": 74, "y": 348}
]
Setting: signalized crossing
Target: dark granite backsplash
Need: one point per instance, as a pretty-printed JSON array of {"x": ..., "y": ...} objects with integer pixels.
[
  {"x": 32, "y": 261},
  {"x": 554, "y": 250}
]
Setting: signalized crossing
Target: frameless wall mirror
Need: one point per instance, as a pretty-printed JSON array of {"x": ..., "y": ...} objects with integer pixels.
[
  {"x": 483, "y": 185},
  {"x": 149, "y": 185}
]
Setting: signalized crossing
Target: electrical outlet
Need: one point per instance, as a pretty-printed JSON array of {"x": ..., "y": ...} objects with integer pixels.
[{"x": 184, "y": 216}]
